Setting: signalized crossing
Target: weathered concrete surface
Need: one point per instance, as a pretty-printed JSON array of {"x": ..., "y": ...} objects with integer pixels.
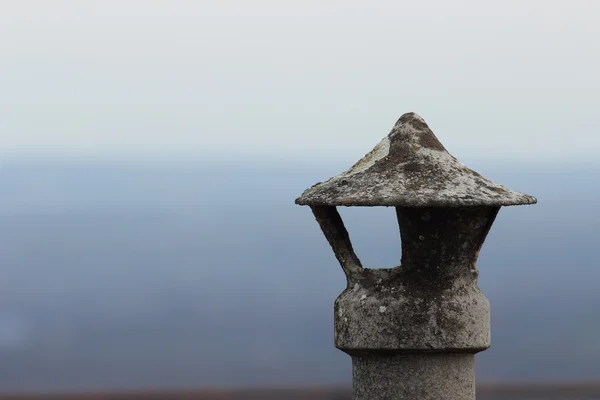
[
  {"x": 410, "y": 168},
  {"x": 333, "y": 227},
  {"x": 414, "y": 377},
  {"x": 391, "y": 318},
  {"x": 431, "y": 302},
  {"x": 413, "y": 330}
]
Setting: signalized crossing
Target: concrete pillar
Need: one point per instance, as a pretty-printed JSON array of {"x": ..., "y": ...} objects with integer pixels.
[{"x": 413, "y": 330}]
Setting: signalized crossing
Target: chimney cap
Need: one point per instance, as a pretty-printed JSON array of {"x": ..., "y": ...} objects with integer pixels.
[{"x": 411, "y": 168}]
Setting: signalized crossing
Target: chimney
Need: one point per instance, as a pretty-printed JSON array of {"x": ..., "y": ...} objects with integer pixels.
[{"x": 413, "y": 330}]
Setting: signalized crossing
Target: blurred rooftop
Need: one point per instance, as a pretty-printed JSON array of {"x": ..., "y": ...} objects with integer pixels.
[{"x": 587, "y": 390}]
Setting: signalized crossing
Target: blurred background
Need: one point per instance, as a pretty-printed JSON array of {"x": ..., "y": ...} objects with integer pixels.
[{"x": 151, "y": 152}]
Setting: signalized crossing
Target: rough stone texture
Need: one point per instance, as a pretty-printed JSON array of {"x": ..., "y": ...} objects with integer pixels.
[
  {"x": 333, "y": 227},
  {"x": 391, "y": 318},
  {"x": 414, "y": 377},
  {"x": 431, "y": 302},
  {"x": 413, "y": 330},
  {"x": 410, "y": 168}
]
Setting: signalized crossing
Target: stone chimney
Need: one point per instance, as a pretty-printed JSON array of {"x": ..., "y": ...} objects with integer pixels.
[{"x": 413, "y": 330}]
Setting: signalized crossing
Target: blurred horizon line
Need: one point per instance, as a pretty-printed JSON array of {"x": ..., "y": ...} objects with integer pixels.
[
  {"x": 258, "y": 160},
  {"x": 485, "y": 388}
]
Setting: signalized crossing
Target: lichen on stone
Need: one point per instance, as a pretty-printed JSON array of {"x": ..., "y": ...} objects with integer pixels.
[{"x": 411, "y": 168}]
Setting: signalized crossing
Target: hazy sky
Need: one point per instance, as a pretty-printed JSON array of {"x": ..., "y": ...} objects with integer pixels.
[{"x": 307, "y": 79}]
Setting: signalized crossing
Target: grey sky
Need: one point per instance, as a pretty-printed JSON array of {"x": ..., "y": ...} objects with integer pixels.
[{"x": 302, "y": 79}]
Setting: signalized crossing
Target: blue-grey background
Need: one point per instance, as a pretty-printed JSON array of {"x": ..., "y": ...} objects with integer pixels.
[
  {"x": 120, "y": 276},
  {"x": 151, "y": 151}
]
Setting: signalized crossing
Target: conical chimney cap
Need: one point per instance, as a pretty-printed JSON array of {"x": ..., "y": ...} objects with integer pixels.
[{"x": 411, "y": 168}]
